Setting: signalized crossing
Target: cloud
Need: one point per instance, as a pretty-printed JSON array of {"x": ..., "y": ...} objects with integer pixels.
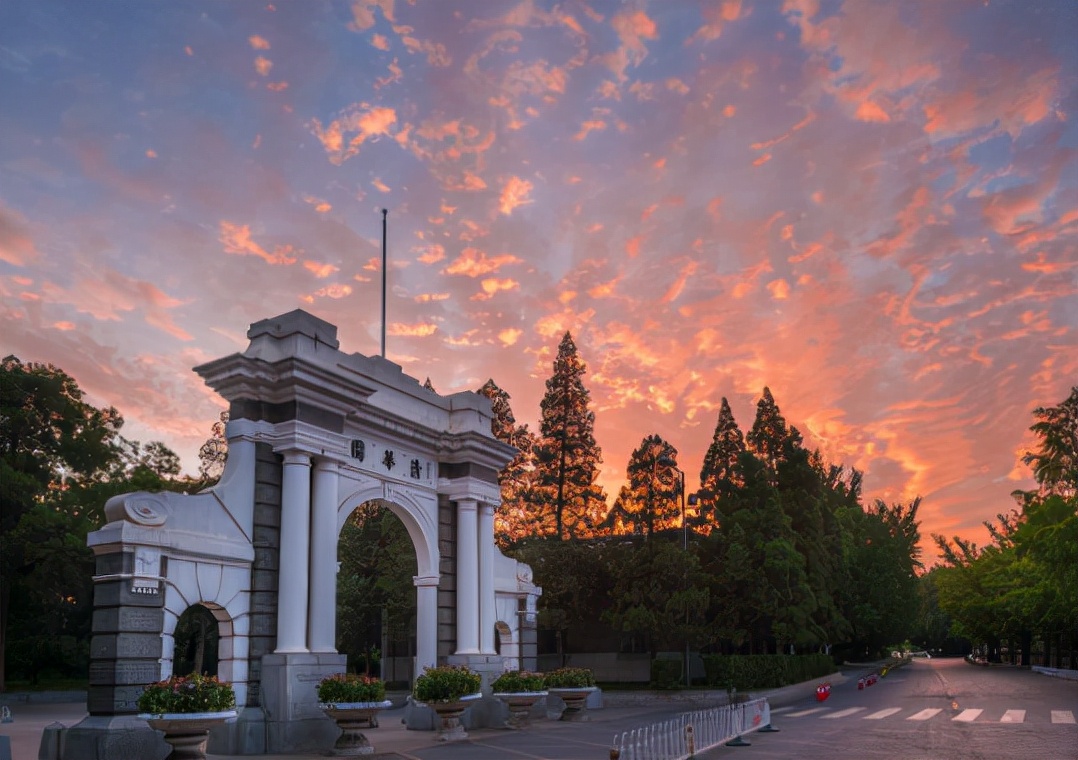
[
  {"x": 258, "y": 43},
  {"x": 263, "y": 65},
  {"x": 364, "y": 121},
  {"x": 475, "y": 263},
  {"x": 237, "y": 239},
  {"x": 16, "y": 245},
  {"x": 514, "y": 194},
  {"x": 415, "y": 330}
]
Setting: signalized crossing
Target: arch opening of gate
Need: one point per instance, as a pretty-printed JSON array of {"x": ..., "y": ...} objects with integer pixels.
[{"x": 314, "y": 433}]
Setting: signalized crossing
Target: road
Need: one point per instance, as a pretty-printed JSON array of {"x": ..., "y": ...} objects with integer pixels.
[{"x": 940, "y": 709}]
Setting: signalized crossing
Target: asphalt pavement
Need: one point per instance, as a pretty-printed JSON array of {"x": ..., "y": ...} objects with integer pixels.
[{"x": 543, "y": 739}]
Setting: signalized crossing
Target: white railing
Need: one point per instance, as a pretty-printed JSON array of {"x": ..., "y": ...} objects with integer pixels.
[{"x": 682, "y": 737}]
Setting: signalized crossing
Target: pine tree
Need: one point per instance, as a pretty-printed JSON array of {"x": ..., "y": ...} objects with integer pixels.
[
  {"x": 567, "y": 500},
  {"x": 513, "y": 520},
  {"x": 720, "y": 474},
  {"x": 769, "y": 434},
  {"x": 650, "y": 501}
]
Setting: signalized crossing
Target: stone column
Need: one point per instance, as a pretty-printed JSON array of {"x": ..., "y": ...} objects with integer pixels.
[
  {"x": 292, "y": 595},
  {"x": 487, "y": 612},
  {"x": 426, "y": 622},
  {"x": 467, "y": 578},
  {"x": 322, "y": 623}
]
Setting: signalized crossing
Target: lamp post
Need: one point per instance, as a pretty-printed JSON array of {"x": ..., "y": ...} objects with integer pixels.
[{"x": 668, "y": 461}]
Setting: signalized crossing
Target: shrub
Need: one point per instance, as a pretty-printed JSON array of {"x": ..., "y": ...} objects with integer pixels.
[
  {"x": 569, "y": 678},
  {"x": 518, "y": 681},
  {"x": 446, "y": 683},
  {"x": 765, "y": 671},
  {"x": 342, "y": 688},
  {"x": 665, "y": 674},
  {"x": 187, "y": 694}
]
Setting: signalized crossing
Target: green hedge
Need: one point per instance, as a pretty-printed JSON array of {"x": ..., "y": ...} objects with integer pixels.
[
  {"x": 764, "y": 671},
  {"x": 666, "y": 674}
]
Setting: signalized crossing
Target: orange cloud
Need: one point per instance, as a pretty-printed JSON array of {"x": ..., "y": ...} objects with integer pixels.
[
  {"x": 869, "y": 111},
  {"x": 258, "y": 43},
  {"x": 380, "y": 42},
  {"x": 418, "y": 330},
  {"x": 514, "y": 194},
  {"x": 320, "y": 270},
  {"x": 432, "y": 254},
  {"x": 716, "y": 16},
  {"x": 365, "y": 121},
  {"x": 474, "y": 263},
  {"x": 510, "y": 336},
  {"x": 492, "y": 286},
  {"x": 263, "y": 65},
  {"x": 588, "y": 127},
  {"x": 237, "y": 239}
]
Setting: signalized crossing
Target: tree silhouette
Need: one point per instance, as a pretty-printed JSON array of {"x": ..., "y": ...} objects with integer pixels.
[
  {"x": 649, "y": 502},
  {"x": 513, "y": 519},
  {"x": 567, "y": 501}
]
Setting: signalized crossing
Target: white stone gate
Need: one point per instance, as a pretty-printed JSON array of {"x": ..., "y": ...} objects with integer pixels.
[{"x": 313, "y": 434}]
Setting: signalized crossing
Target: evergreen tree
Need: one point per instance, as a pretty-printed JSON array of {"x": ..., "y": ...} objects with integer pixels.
[
  {"x": 720, "y": 473},
  {"x": 567, "y": 500},
  {"x": 769, "y": 435},
  {"x": 513, "y": 521},
  {"x": 650, "y": 501}
]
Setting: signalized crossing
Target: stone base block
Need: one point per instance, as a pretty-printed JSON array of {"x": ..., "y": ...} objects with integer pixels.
[
  {"x": 293, "y": 720},
  {"x": 113, "y": 737}
]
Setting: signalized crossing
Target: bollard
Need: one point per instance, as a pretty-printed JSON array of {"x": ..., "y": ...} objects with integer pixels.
[
  {"x": 5, "y": 747},
  {"x": 5, "y": 715}
]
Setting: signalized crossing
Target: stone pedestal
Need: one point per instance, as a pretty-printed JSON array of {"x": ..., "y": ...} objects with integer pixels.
[
  {"x": 294, "y": 722},
  {"x": 116, "y": 737}
]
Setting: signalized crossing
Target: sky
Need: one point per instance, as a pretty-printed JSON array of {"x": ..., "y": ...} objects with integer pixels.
[{"x": 869, "y": 207}]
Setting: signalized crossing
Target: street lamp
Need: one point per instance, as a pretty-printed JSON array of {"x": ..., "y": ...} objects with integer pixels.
[{"x": 668, "y": 461}]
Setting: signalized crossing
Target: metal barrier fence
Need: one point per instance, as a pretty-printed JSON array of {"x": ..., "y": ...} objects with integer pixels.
[{"x": 682, "y": 737}]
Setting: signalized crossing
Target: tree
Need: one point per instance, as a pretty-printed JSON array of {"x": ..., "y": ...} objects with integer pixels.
[
  {"x": 513, "y": 520},
  {"x": 769, "y": 436},
  {"x": 1055, "y": 462},
  {"x": 568, "y": 502},
  {"x": 649, "y": 502},
  {"x": 214, "y": 452},
  {"x": 720, "y": 474},
  {"x": 50, "y": 440}
]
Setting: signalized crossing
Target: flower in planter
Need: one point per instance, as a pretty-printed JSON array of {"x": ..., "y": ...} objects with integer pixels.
[
  {"x": 446, "y": 683},
  {"x": 569, "y": 678},
  {"x": 347, "y": 688},
  {"x": 517, "y": 681},
  {"x": 187, "y": 694}
]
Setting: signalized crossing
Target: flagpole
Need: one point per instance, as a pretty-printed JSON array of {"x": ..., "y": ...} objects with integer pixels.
[{"x": 385, "y": 211}]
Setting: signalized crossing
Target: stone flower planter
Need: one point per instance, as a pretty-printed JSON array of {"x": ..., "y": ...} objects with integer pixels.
[
  {"x": 187, "y": 733},
  {"x": 575, "y": 699},
  {"x": 352, "y": 718},
  {"x": 520, "y": 705},
  {"x": 449, "y": 712}
]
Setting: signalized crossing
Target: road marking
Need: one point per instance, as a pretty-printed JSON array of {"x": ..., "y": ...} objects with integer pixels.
[
  {"x": 785, "y": 708},
  {"x": 1013, "y": 716},
  {"x": 1062, "y": 716},
  {"x": 806, "y": 712},
  {"x": 844, "y": 713},
  {"x": 883, "y": 713},
  {"x": 926, "y": 714},
  {"x": 967, "y": 716}
]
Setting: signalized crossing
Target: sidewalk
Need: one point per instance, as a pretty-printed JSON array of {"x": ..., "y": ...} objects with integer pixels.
[{"x": 544, "y": 739}]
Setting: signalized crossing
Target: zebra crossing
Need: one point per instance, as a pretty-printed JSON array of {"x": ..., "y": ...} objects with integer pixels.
[{"x": 968, "y": 715}]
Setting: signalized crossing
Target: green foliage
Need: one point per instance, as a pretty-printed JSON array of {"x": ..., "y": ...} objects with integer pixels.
[
  {"x": 187, "y": 694},
  {"x": 344, "y": 688},
  {"x": 518, "y": 681},
  {"x": 764, "y": 671},
  {"x": 569, "y": 678},
  {"x": 567, "y": 502},
  {"x": 374, "y": 584},
  {"x": 666, "y": 674},
  {"x": 446, "y": 683}
]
